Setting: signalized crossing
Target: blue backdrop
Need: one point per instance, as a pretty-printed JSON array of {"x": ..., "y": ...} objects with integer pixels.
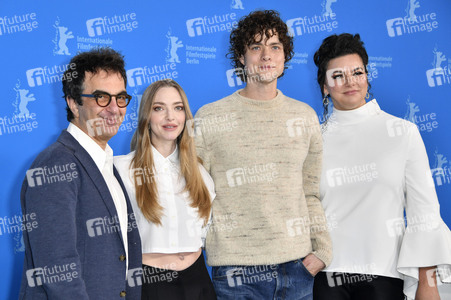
[{"x": 408, "y": 42}]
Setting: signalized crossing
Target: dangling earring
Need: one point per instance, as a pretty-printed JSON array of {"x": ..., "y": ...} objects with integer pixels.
[
  {"x": 367, "y": 96},
  {"x": 325, "y": 107},
  {"x": 326, "y": 100}
]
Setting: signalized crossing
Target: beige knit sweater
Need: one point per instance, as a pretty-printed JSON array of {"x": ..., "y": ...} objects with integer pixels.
[{"x": 265, "y": 160}]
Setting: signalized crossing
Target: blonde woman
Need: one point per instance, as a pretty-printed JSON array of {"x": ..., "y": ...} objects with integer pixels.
[{"x": 171, "y": 195}]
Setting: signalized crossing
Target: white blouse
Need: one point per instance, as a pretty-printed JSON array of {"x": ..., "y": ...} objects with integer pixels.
[
  {"x": 181, "y": 230},
  {"x": 375, "y": 167}
]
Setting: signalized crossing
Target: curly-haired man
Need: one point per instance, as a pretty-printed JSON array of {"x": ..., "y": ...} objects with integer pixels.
[{"x": 263, "y": 149}]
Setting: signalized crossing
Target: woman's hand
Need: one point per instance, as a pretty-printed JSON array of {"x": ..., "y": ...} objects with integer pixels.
[{"x": 427, "y": 285}]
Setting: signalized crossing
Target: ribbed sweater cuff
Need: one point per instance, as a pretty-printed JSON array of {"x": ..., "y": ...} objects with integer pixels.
[{"x": 325, "y": 255}]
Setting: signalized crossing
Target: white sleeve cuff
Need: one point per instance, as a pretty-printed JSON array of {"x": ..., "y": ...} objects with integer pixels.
[{"x": 424, "y": 246}]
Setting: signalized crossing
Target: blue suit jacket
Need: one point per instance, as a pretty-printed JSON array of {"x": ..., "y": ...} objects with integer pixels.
[{"x": 74, "y": 247}]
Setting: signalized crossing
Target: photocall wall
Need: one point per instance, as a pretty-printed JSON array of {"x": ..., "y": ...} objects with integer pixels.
[{"x": 408, "y": 43}]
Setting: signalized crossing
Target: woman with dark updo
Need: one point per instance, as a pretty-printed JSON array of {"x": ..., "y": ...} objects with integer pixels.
[{"x": 375, "y": 171}]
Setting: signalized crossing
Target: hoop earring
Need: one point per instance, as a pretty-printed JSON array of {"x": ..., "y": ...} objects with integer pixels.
[{"x": 367, "y": 96}]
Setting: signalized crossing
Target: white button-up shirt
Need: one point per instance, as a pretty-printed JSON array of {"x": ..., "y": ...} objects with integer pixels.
[
  {"x": 104, "y": 161},
  {"x": 182, "y": 230}
]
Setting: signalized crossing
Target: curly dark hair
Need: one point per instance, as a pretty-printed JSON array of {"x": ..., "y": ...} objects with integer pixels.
[
  {"x": 263, "y": 23},
  {"x": 92, "y": 61},
  {"x": 335, "y": 46}
]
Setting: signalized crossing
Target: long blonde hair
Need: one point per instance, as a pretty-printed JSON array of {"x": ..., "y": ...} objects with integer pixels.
[{"x": 147, "y": 192}]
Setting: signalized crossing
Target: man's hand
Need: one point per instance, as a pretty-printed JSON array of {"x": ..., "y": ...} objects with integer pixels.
[{"x": 313, "y": 264}]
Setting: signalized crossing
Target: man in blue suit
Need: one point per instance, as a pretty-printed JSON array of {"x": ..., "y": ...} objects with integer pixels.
[{"x": 86, "y": 244}]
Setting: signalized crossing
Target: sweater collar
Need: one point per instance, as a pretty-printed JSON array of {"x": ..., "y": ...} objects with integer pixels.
[
  {"x": 357, "y": 115},
  {"x": 260, "y": 103}
]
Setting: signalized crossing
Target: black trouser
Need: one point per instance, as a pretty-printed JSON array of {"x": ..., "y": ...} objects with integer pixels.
[
  {"x": 350, "y": 286},
  {"x": 193, "y": 283}
]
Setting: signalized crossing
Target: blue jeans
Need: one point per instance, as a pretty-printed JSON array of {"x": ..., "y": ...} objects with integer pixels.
[{"x": 287, "y": 281}]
